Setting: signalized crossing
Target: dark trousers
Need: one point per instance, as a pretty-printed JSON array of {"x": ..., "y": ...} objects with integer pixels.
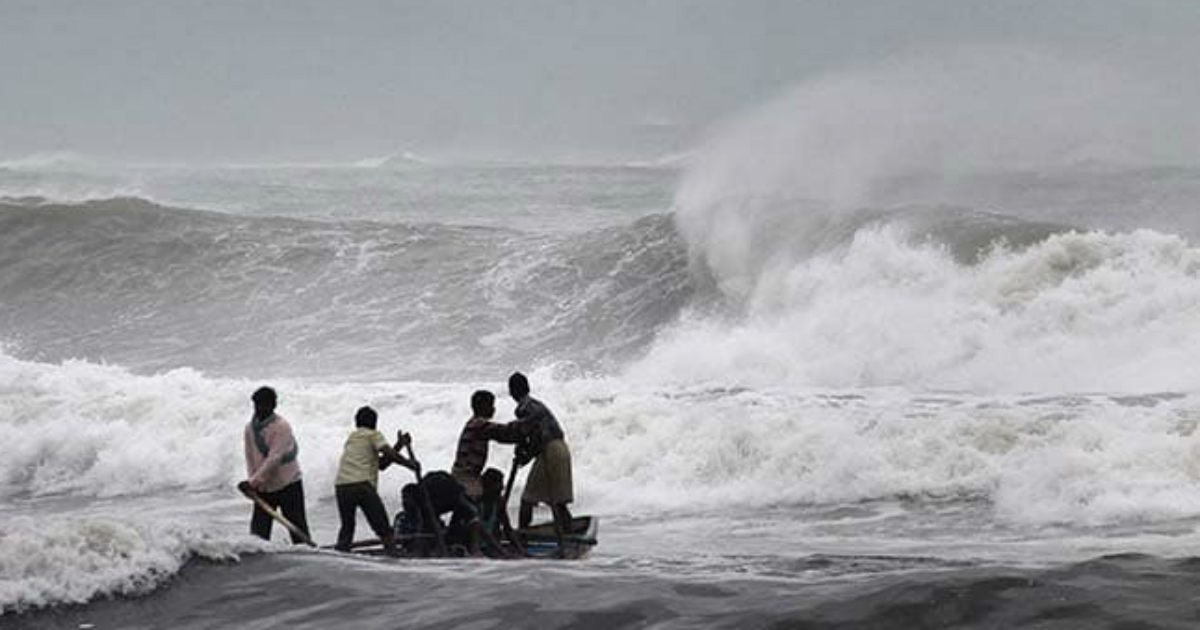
[
  {"x": 289, "y": 500},
  {"x": 351, "y": 497}
]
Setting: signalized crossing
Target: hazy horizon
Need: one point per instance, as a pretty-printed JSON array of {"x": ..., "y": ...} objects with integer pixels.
[{"x": 305, "y": 81}]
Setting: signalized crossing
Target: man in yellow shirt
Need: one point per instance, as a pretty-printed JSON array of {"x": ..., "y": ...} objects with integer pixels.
[{"x": 358, "y": 478}]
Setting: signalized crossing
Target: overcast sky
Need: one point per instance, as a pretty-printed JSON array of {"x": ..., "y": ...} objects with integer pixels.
[{"x": 344, "y": 79}]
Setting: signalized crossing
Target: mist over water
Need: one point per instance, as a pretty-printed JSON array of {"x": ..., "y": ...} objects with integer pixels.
[{"x": 950, "y": 222}]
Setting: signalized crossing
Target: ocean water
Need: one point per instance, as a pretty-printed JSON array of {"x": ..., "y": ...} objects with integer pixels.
[{"x": 947, "y": 400}]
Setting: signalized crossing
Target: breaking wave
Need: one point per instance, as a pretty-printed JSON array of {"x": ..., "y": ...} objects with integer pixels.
[
  {"x": 1077, "y": 311},
  {"x": 944, "y": 222},
  {"x": 55, "y": 560},
  {"x": 1100, "y": 458}
]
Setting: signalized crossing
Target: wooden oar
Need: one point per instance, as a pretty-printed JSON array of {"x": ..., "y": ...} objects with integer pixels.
[
  {"x": 508, "y": 486},
  {"x": 275, "y": 513},
  {"x": 507, "y": 524},
  {"x": 433, "y": 517}
]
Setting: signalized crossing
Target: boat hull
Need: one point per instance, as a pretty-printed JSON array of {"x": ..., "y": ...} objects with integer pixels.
[{"x": 540, "y": 541}]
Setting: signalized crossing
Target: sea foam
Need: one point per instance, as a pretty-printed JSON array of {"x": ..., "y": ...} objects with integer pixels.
[
  {"x": 82, "y": 430},
  {"x": 52, "y": 560}
]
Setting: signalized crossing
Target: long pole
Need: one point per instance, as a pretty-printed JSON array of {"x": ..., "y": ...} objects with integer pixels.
[
  {"x": 508, "y": 486},
  {"x": 505, "y": 522},
  {"x": 276, "y": 514}
]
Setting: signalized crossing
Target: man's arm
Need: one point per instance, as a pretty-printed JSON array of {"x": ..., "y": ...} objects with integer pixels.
[
  {"x": 389, "y": 456},
  {"x": 524, "y": 429},
  {"x": 510, "y": 433},
  {"x": 527, "y": 434}
]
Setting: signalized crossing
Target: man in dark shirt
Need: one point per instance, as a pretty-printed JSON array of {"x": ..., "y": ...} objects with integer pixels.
[
  {"x": 549, "y": 480},
  {"x": 472, "y": 454},
  {"x": 445, "y": 496}
]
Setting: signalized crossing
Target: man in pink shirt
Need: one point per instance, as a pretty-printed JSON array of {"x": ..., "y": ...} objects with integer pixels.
[{"x": 271, "y": 466}]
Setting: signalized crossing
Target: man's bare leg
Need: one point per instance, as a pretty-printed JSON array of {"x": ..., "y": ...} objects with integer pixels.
[
  {"x": 389, "y": 545},
  {"x": 562, "y": 526},
  {"x": 525, "y": 515}
]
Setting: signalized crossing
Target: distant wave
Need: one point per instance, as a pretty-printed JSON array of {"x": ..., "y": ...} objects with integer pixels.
[
  {"x": 47, "y": 160},
  {"x": 402, "y": 159},
  {"x": 65, "y": 182},
  {"x": 678, "y": 159},
  {"x": 129, "y": 281}
]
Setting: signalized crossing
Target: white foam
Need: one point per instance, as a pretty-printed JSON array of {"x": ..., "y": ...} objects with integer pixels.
[
  {"x": 87, "y": 429},
  {"x": 93, "y": 430},
  {"x": 65, "y": 560},
  {"x": 83, "y": 430},
  {"x": 1077, "y": 312},
  {"x": 1078, "y": 460}
]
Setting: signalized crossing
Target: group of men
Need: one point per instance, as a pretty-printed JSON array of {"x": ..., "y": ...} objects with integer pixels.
[{"x": 474, "y": 496}]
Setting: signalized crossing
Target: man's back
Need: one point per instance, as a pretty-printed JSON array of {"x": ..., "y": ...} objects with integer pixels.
[
  {"x": 538, "y": 424},
  {"x": 271, "y": 453},
  {"x": 360, "y": 457}
]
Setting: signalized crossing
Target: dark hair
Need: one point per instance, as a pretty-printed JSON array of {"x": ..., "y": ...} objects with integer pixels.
[
  {"x": 518, "y": 385},
  {"x": 483, "y": 401},
  {"x": 365, "y": 417},
  {"x": 492, "y": 480},
  {"x": 264, "y": 397}
]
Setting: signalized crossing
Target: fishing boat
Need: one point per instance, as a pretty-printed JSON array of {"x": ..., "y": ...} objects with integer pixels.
[{"x": 540, "y": 541}]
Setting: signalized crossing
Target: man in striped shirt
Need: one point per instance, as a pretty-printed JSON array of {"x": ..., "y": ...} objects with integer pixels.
[{"x": 472, "y": 454}]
